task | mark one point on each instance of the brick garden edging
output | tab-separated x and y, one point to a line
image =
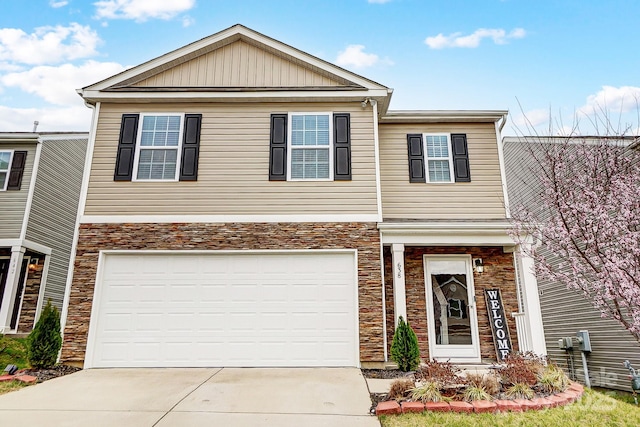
570	395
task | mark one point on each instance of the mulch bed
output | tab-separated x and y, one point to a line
386	373
51	373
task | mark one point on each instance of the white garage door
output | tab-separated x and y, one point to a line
225	309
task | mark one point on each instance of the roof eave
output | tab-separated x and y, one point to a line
443	116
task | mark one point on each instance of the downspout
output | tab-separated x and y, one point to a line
32	187
503	176
81	205
376	144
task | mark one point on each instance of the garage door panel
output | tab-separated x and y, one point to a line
226	310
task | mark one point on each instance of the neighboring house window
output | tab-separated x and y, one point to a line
438	158
158	145
5	164
310	147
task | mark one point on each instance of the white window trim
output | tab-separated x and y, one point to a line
290	147
427	158
138	148
8	171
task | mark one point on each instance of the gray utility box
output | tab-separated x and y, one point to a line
584	341
565	343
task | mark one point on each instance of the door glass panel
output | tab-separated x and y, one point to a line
452	322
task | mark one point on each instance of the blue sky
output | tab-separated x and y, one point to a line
547	57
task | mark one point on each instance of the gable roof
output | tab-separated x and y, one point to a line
202	70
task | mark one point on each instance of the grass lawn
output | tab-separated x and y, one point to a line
13	351
6	387
594	409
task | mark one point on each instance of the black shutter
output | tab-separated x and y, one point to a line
278	148
416	158
460	157
190	147
17	170
126	147
342	146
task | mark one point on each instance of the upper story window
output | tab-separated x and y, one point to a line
158	147
5	164
310	147
439	160
159	143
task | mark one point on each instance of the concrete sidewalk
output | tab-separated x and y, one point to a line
195	397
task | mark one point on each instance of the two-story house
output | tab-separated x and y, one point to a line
40	180
249	204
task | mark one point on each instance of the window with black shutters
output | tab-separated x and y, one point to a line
310	147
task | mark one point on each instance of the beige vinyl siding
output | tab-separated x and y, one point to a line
13	202
238	64
233	172
482	198
565	311
55	206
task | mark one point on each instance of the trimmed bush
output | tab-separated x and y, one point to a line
404	349
45	339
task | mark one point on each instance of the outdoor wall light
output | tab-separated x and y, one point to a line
478	267
364	103
33	264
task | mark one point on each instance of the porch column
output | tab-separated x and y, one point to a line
399	293
531	302
11	287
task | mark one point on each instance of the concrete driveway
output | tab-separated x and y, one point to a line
283	397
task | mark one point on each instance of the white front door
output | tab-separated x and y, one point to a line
451	309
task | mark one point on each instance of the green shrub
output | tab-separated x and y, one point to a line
404	349
45	340
473	392
553	379
519	391
427	392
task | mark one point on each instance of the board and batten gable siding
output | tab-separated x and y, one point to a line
14	202
566	311
233	170
482	198
55	206
238	64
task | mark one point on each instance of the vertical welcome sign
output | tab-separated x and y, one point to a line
498	321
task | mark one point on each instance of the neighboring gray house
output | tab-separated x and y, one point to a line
40	181
566	311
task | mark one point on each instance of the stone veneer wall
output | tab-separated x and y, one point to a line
30	300
498	273
232	236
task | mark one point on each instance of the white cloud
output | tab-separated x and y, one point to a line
379	1
48	44
612	99
75	118
57	85
498	35
188	21
141	10
56	4
355	56
531	118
